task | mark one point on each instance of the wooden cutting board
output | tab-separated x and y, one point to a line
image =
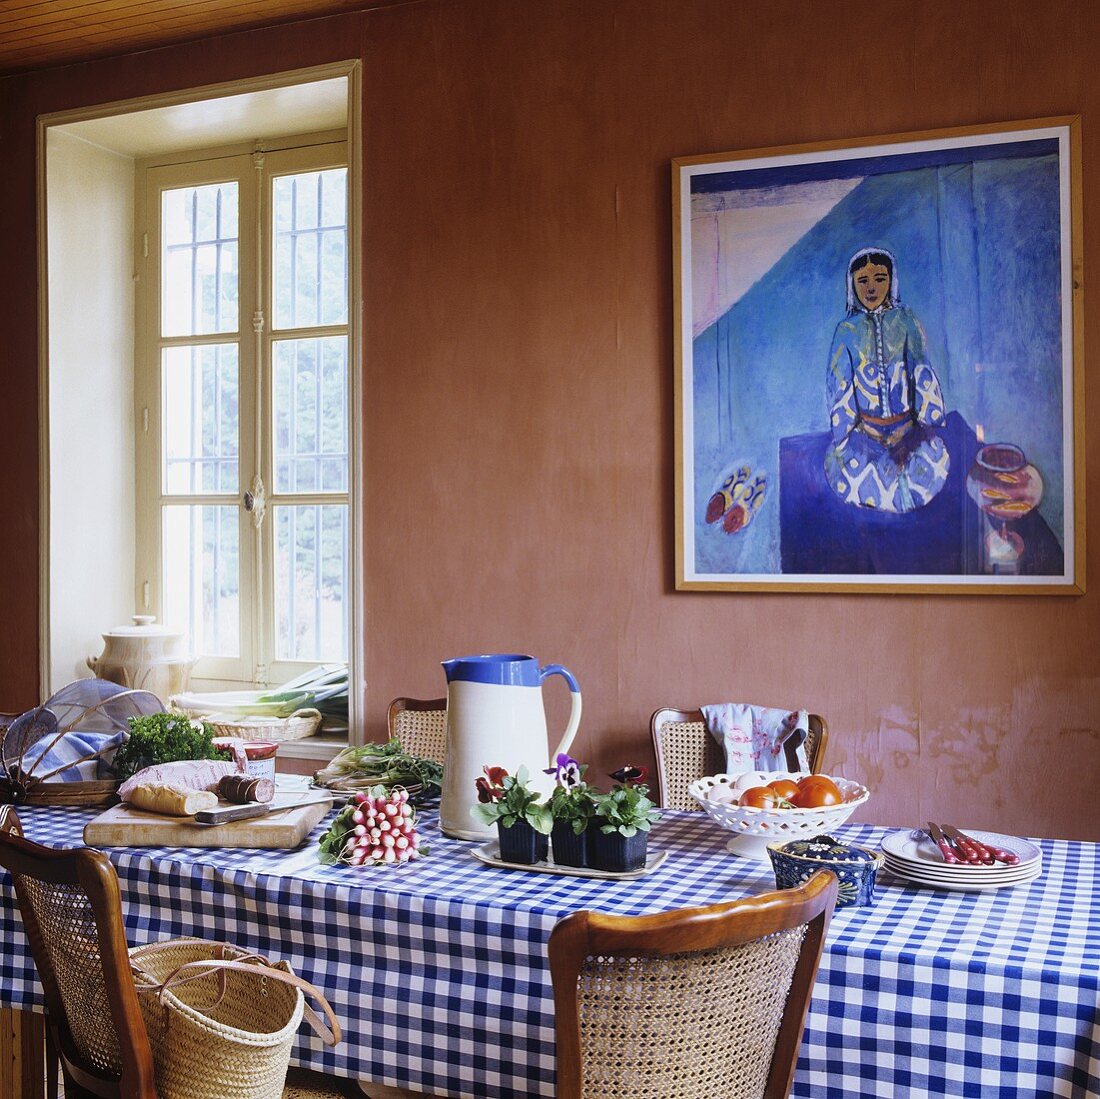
122	826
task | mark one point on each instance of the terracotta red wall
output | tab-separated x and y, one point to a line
518	373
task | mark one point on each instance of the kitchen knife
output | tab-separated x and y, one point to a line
940	841
252	809
990	853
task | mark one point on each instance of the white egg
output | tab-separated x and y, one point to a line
722	792
752	778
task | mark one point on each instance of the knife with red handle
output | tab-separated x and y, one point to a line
989	853
940	841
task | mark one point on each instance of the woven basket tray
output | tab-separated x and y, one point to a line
90	793
296	727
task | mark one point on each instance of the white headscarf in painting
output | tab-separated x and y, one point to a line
854	305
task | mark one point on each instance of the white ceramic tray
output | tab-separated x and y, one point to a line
489	853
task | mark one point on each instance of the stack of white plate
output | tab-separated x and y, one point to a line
914	857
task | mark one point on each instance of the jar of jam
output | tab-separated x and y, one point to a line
259	753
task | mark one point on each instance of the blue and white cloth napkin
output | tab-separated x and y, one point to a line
65	753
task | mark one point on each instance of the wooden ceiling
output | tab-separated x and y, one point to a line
39	33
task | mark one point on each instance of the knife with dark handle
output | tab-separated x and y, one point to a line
940	840
991	854
252	809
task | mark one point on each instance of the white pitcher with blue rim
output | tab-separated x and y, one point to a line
495	718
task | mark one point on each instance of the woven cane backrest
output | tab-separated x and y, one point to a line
700	1002
684	1026
67	925
72	914
420	725
686	751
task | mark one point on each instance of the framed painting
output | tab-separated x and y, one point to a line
878	364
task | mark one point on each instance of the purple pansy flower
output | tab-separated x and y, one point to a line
566	771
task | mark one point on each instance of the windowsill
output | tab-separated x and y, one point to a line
323	746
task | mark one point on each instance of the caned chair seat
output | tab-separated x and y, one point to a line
701	1002
421	726
686	751
72	912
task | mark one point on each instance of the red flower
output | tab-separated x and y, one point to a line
496	775
491	788
630	774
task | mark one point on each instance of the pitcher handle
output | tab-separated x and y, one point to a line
575	711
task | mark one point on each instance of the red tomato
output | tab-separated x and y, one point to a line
784	787
759	797
814	791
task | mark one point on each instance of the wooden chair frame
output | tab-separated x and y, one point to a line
688	931
817	740
92	872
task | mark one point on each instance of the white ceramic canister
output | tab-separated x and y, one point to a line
144	656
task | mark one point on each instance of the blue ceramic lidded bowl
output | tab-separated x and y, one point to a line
855	867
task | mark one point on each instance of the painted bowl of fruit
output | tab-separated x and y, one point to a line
763	807
797	861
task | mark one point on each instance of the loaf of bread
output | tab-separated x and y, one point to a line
184	774
171	801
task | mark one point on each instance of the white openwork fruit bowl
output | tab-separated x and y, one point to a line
754	829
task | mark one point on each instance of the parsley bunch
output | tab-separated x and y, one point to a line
164	738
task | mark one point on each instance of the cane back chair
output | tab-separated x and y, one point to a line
686	751
421	726
697	1002
72	912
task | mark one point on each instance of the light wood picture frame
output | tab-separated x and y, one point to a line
879	364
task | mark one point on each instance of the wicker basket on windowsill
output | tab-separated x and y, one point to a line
298	726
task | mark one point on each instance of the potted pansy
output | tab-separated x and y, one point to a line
619	835
571	807
522	823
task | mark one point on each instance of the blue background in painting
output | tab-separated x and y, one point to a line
978	251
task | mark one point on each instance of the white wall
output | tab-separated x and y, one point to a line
90	215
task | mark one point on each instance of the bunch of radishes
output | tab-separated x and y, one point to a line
376	828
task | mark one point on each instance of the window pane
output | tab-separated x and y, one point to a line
311	582
199	260
201	419
311	240
202	579
310	404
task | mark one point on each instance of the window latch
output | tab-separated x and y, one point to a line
255	501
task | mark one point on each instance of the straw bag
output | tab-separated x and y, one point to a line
221	1021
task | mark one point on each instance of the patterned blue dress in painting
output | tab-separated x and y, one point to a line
885	405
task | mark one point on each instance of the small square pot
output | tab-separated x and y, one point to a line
615	852
569	848
522	844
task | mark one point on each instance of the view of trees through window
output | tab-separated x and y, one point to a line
253	414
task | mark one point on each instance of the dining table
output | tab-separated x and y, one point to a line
438	968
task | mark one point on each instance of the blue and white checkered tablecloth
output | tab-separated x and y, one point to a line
438	970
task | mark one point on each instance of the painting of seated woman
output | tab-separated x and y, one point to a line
878	365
